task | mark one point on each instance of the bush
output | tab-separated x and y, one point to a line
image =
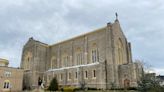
132	88
69	89
77	89
92	88
53	85
149	84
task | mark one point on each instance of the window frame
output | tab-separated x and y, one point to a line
6	85
94	55
86	74
76	75
69	76
94	74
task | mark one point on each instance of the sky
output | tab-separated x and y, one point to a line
52	21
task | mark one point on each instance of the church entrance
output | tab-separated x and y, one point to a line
126	83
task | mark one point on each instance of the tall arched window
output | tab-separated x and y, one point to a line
27	62
94	53
79	56
120	52
53	62
65	60
6	84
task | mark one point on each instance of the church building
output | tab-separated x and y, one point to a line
99	59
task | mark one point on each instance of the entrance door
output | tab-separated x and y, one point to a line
126	83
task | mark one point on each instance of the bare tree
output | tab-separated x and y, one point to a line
148	82
147	68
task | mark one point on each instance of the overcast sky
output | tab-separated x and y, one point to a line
51	21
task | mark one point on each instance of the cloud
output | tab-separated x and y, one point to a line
51	21
159	71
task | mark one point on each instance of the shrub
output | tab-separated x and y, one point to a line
92	88
132	88
53	85
77	89
69	89
149	84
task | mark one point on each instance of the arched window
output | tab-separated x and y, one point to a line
6	84
61	77
65	60
79	56
120	52
75	75
86	75
27	63
69	76
94	73
94	53
53	62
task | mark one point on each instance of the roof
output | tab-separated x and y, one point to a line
161	77
11	68
4	61
100	29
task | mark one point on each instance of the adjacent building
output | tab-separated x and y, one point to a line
98	59
161	79
11	79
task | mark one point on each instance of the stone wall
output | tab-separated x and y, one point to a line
107	47
12	76
75	76
34	57
130	72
